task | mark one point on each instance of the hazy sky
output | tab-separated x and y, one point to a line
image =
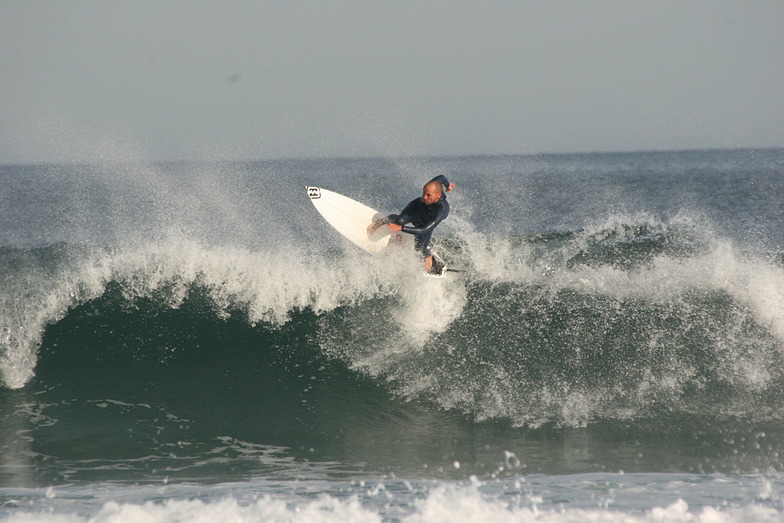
154	79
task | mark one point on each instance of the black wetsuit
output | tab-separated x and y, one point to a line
423	218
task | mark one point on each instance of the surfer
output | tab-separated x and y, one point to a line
423	214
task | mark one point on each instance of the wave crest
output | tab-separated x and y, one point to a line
630	319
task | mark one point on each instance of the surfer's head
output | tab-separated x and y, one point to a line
432	192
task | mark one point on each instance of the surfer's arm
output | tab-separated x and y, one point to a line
424	229
373	227
443	181
428	227
395	222
388	220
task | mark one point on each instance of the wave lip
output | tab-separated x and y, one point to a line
42	285
38	288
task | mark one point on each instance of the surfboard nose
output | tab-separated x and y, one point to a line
313	192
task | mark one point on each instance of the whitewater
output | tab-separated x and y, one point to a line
190	341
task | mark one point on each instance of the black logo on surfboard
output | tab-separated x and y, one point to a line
314	193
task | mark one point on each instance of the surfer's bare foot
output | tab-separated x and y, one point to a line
428	263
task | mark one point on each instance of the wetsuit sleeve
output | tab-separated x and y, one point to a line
443	212
403	218
441	179
393	218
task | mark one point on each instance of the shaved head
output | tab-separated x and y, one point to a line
432	192
433	186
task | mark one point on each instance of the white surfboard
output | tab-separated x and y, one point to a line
351	219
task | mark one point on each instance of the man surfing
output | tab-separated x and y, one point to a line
423	214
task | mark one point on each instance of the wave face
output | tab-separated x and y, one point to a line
281	333
623	322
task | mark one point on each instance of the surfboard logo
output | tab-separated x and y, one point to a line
314	193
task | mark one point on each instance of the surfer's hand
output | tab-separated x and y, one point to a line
451	186
372	228
394	227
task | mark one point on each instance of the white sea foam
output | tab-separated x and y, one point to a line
440	503
706	296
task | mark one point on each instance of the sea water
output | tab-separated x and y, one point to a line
192	342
